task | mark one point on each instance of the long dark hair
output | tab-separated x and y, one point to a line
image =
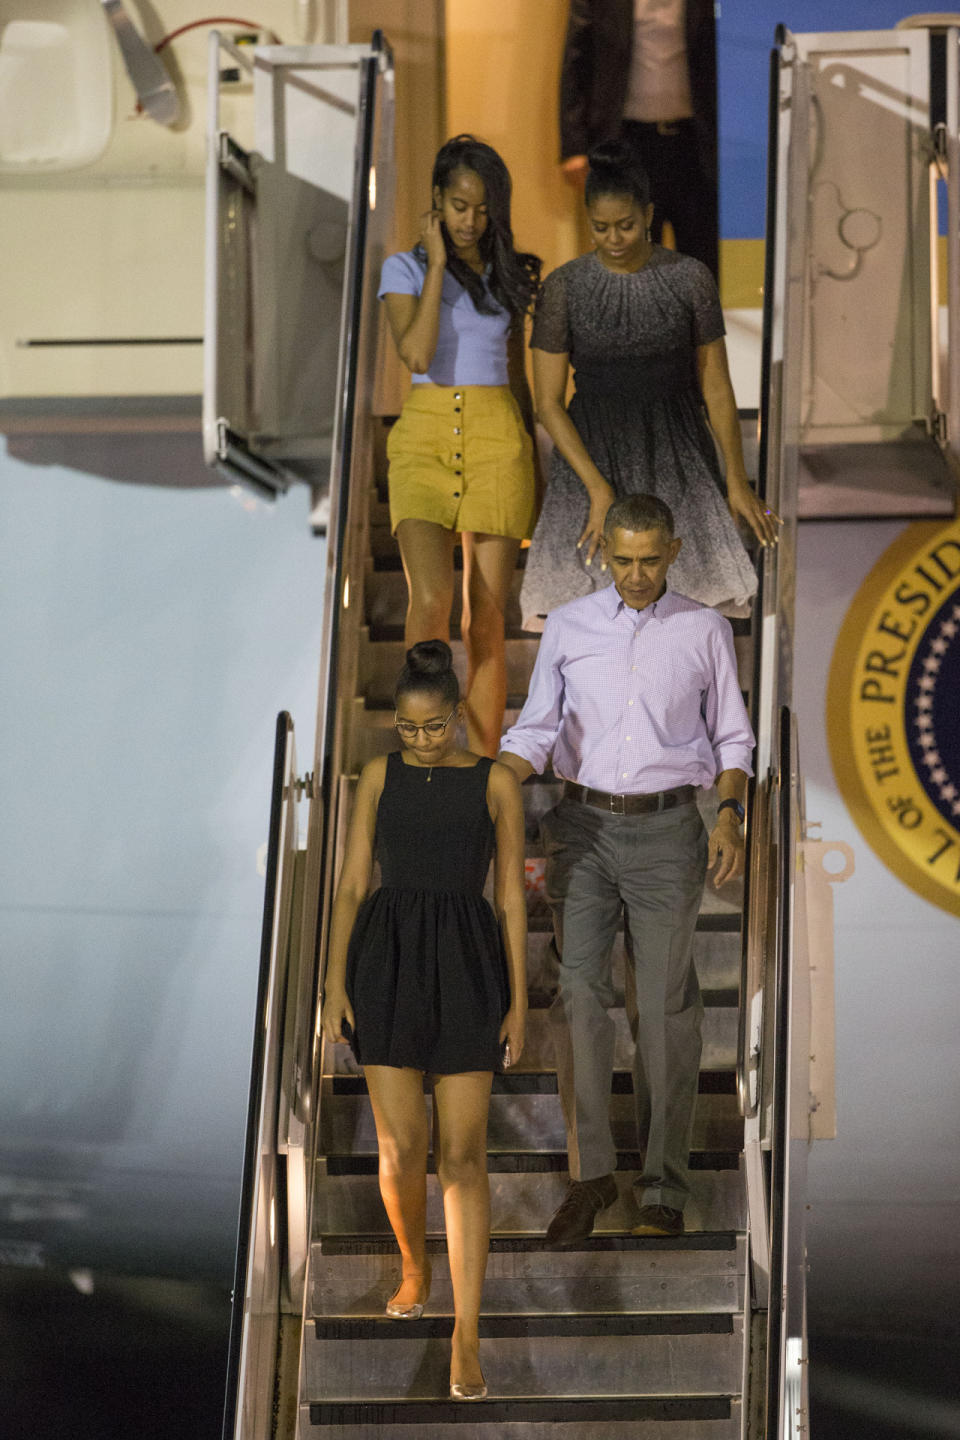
514	275
429	671
615	170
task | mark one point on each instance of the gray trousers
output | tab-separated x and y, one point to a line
653	868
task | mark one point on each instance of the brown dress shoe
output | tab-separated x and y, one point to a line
659	1220
574	1218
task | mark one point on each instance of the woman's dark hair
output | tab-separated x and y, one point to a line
514	275
429	671
615	170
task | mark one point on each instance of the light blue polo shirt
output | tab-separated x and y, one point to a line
471	348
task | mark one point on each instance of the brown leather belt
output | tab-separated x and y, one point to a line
628	804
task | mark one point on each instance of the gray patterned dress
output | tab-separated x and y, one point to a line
632	342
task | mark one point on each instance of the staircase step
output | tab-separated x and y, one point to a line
522	1202
716	954
719	1044
512	1326
535	1161
388	633
704	1417
385	593
379	671
720	910
556	1356
504	1243
380	662
687	1273
712	1082
385	552
526	1122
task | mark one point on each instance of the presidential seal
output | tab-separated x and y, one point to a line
893	710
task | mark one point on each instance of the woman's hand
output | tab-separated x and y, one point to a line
601	498
431	237
336	1009
513	1031
745	504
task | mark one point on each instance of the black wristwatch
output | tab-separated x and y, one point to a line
734	805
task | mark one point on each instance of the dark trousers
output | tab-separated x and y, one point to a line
652	868
681	190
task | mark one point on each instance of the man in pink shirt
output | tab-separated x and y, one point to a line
636	700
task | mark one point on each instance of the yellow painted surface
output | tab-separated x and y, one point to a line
741	274
503	64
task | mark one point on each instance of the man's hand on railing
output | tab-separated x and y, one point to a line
726	848
337	1012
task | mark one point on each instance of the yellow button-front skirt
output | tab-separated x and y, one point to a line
461	456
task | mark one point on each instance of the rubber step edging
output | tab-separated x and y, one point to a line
518	1411
527	1327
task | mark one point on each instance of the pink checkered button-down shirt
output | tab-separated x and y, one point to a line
634	701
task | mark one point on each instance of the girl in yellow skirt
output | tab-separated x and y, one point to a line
461	454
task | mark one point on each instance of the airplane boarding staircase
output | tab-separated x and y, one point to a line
683	1338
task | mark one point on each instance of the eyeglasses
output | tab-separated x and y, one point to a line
409	731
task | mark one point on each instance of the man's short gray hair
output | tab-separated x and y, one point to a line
639	512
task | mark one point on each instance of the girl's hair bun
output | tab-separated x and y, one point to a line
429	670
430	657
616	170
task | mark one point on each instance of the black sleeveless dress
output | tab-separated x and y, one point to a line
426	968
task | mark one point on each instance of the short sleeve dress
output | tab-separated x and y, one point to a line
426	967
632	341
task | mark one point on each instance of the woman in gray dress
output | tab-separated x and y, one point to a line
643	330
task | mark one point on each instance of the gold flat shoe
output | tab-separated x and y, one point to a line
404	1312
468	1392
407	1312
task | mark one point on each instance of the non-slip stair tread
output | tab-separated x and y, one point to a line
519	1327
522	1202
387	562
552	1365
712	1082
386	553
373	1243
538	999
379	706
719	1040
381	633
531	1120
511	1412
713	920
624	1275
530	1162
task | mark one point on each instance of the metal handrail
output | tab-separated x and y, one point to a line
324	807
751	941
328	747
301	1031
341	463
781	1054
746	1101
265	980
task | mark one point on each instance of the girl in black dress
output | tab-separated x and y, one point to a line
422	979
